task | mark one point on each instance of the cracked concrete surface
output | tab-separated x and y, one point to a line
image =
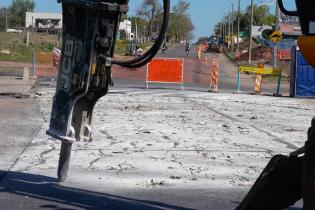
181	149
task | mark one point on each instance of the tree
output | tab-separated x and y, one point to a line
17	11
3	12
149	10
262	16
150	17
181	7
266	33
180	25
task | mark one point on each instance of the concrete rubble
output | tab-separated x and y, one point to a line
174	146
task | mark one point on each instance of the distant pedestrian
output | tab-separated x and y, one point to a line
187	48
164	48
138	52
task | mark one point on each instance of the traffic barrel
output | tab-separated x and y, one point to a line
56	54
258	80
214	76
198	53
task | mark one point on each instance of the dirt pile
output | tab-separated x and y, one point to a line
258	52
44	58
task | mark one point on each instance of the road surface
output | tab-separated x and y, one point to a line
197	74
153	149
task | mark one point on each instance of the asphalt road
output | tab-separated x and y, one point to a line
197	74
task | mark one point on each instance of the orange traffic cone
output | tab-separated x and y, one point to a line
205	60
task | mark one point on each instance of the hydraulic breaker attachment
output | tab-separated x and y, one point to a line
89	31
89	34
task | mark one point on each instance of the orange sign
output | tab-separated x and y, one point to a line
162	70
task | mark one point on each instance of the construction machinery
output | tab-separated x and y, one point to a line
89	35
215	43
89	31
287	179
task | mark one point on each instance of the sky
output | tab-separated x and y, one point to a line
204	13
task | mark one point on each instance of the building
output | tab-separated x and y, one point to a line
43	20
127	27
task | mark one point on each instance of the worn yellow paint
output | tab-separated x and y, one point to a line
263	71
93	68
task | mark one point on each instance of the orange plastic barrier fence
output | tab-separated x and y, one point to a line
284	54
161	70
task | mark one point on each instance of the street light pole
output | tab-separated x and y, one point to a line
220	29
136	23
226	25
224	28
277	27
223	25
229	28
6	19
232	28
251	32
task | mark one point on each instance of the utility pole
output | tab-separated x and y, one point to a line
223	22
238	26
232	28
251	32
229	28
136	23
225	26
222	35
277	27
6	19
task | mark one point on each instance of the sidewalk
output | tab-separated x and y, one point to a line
156	149
13	85
8	64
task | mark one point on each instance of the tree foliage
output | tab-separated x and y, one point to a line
266	33
149	10
150	16
3	11
181	8
262	16
17	12
180	25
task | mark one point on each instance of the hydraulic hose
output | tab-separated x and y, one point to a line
147	56
285	11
